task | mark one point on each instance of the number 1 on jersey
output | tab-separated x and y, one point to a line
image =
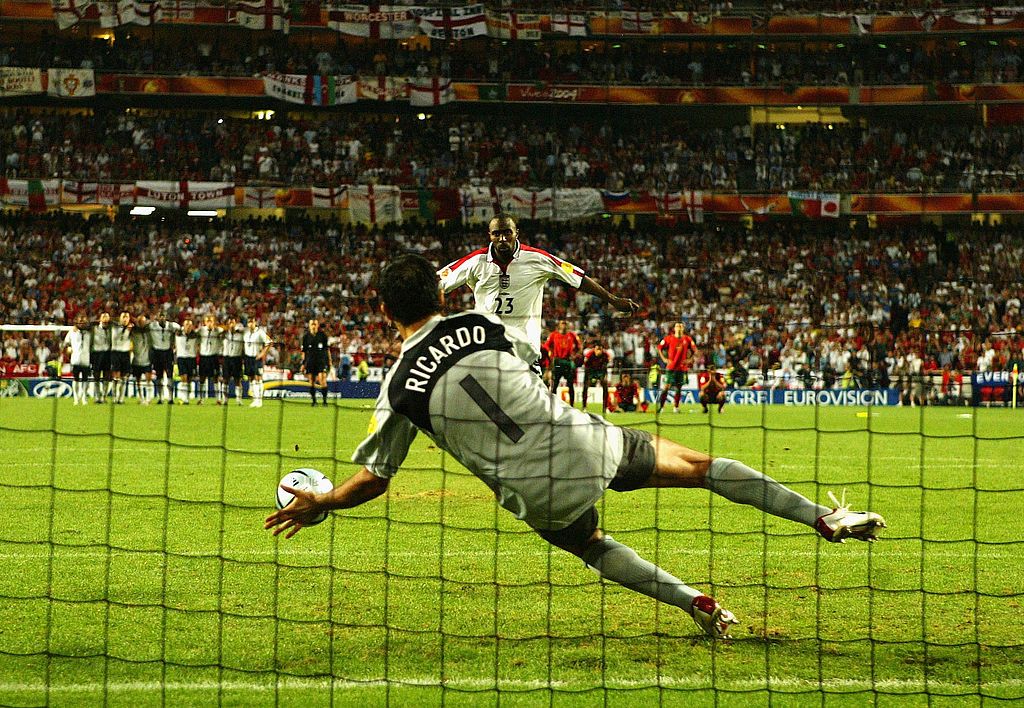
491	408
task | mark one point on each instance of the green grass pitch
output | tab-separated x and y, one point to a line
135	570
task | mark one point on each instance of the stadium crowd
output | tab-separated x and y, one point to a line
797	299
751	62
449	150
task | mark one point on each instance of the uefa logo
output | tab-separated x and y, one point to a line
52	388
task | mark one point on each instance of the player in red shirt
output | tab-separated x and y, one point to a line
712	389
563	346
677	351
595	368
626	394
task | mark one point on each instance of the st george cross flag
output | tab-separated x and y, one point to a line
513	25
572	25
694	200
374	21
479	203
114	13
79	192
431	92
69	13
528	203
263	15
634	22
375	204
690	200
207	195
98	193
259	197
453	23
329	197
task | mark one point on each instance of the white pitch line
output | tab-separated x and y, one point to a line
687	682
880	551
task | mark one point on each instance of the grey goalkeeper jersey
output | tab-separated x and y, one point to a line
140	347
460	380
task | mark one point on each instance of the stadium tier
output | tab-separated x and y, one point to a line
770	252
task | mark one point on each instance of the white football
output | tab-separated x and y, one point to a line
306	479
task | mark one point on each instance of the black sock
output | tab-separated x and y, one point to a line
323	391
312	392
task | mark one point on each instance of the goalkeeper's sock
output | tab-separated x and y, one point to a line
737	482
621	564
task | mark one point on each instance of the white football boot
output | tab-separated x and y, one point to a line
842	523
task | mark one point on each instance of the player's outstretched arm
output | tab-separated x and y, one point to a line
357	489
622	304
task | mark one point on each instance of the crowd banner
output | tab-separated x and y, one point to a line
69	13
576	203
375	205
374	21
513	25
19	81
76	192
185	194
479	204
262	15
690	200
572	25
36	194
310	90
383	88
434	91
404	21
114	13
70	83
459	22
528	203
258	197
814	205
329	197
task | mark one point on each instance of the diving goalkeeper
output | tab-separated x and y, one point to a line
460	381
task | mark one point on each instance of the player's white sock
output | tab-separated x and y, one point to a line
621	564
737	482
166	390
184	391
259	390
77	390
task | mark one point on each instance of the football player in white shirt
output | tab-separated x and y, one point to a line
508	280
257	344
79	340
120	354
211	341
233	345
459	380
161	340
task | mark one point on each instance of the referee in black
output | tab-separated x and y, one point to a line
316	359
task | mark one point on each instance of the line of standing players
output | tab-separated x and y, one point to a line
677	351
106	355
